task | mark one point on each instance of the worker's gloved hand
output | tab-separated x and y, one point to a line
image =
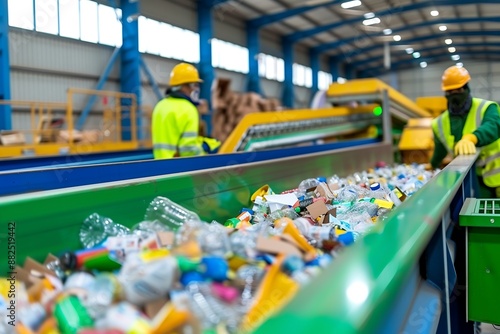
466	145
211	145
428	166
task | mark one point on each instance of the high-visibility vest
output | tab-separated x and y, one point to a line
175	129
489	158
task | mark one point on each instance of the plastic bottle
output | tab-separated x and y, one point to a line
169	213
103	291
95	229
348	194
71	315
125	318
144	279
209	238
378	191
307	186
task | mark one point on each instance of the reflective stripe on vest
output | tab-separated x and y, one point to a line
479	116
195	149
441	134
164	147
188	134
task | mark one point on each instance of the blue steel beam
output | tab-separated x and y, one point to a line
375	71
80	123
288	94
253	45
390	11
469	45
475	33
151	79
280	16
314	62
5	111
334	67
130	61
205	29
336	44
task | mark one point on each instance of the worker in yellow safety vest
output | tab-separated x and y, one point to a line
468	123
175	120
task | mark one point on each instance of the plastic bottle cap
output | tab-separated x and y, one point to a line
191	276
216	268
321	179
375	186
346	238
232	222
250	211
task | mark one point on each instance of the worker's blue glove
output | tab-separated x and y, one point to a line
211	145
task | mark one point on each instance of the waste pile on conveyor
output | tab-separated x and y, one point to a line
173	272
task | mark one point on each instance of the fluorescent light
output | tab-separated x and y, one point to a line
460	64
397	38
350	4
423	64
455	57
443	28
434	13
452	49
370	22
369	15
448	41
387	31
409	51
416	54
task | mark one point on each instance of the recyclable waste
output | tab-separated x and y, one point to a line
175	273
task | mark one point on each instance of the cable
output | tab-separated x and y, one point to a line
497	327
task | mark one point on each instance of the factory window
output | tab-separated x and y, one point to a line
21	14
271	68
69	19
46	16
110	28
324	80
190	46
309	77
299	75
89	28
229	56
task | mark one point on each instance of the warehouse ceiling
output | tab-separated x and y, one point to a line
418	32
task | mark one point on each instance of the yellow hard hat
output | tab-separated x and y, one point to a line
454	77
184	73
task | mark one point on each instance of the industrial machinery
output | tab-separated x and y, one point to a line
375	286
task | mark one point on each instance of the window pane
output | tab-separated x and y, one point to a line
21	13
280	69
165	48
69	19
110	29
46	16
262	64
216	52
308	77
191	47
270	67
152	28
143	36
88	21
244	60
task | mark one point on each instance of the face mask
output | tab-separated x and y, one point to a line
195	95
458	103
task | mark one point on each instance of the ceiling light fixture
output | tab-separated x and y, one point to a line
448	41
416	55
409	51
455	57
397	38
350	4
370	22
460	64
423	64
387	31
443	28
452	49
434	13
369	15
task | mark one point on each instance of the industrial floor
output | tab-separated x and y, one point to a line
489	329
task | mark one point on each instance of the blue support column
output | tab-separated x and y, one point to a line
349	72
334	68
205	29
130	61
314	61
253	83
5	111
288	95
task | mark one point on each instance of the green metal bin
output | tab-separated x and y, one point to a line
481	217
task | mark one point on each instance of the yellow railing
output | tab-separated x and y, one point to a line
52	126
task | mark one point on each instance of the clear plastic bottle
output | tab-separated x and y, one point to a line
96	228
348	194
101	293
378	191
169	213
307	186
211	238
368	207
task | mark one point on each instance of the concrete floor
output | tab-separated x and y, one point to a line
489	329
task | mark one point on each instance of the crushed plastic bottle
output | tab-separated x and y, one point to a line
169	213
96	228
